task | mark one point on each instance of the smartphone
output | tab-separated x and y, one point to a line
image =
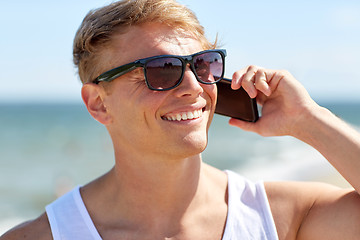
235	103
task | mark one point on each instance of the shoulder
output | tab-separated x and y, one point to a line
290	202
38	229
307	210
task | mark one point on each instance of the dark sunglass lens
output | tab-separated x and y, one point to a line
163	73
209	66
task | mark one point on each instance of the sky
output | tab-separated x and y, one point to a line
317	41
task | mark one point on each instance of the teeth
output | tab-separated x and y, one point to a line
184	116
196	114
190	115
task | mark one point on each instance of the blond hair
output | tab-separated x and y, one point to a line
100	24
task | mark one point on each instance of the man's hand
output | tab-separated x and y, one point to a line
305	211
285	101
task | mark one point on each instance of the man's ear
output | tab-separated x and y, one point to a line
92	96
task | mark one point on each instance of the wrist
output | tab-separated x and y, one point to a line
311	122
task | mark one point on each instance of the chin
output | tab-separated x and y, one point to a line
195	144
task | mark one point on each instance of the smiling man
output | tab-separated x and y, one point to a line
149	75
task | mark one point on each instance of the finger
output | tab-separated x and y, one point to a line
246	126
274	79
261	98
248	80
236	79
261	82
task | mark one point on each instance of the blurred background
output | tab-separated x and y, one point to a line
49	143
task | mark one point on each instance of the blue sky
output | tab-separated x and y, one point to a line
317	41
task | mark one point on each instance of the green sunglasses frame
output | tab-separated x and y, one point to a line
189	59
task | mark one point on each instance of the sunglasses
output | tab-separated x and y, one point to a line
165	72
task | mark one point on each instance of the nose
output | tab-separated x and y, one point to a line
189	86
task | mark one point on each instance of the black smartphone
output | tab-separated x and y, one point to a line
235	103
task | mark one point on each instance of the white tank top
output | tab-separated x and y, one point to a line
249	214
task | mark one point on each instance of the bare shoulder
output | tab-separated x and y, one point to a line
38	229
301	194
314	210
289	203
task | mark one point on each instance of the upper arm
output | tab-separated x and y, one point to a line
38	229
335	214
314	211
288	206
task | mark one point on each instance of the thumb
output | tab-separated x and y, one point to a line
246	126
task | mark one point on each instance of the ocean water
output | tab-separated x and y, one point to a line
45	150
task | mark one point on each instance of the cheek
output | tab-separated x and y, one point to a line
135	101
211	91
145	108
152	102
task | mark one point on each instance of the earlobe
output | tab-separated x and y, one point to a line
92	96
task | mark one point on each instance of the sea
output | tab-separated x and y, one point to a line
47	149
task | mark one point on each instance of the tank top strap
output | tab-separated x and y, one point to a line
249	214
69	218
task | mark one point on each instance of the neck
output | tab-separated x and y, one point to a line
161	196
167	181
154	186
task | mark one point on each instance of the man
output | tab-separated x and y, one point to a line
158	111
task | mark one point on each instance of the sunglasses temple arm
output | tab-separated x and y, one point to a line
117	72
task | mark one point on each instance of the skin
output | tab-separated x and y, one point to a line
305	210
159	181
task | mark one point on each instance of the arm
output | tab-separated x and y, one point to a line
289	110
38	229
314	211
336	141
306	210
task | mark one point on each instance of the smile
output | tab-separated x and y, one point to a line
183	116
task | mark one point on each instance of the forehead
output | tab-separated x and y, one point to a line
148	40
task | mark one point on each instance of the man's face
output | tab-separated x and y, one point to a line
142	119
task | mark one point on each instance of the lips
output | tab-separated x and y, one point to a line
183	116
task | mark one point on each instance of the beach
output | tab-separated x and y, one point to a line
48	149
